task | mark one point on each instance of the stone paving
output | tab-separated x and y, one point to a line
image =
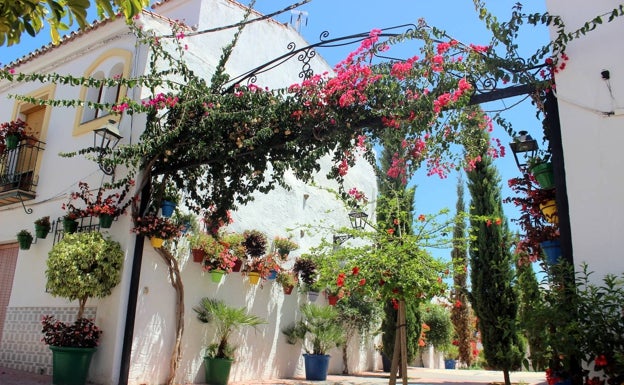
416	376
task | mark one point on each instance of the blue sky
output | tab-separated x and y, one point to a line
457	17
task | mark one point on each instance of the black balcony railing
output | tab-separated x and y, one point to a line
18	181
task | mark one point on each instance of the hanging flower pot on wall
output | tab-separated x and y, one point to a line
549	209
544	175
167	208
552	249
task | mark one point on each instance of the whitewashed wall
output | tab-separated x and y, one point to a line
264	354
592	142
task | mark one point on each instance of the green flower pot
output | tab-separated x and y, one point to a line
24	242
70	226
70	366
216	275
544	175
217	370
106	221
11	141
42	231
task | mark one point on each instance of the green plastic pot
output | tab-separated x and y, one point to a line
42	231
70	366
24	242
106	221
544	175
217	370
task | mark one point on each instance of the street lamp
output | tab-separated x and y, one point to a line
526	145
105	139
358	219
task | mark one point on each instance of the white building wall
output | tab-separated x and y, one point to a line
592	141
263	354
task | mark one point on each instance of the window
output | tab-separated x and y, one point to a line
112	64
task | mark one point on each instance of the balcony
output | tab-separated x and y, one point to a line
18	166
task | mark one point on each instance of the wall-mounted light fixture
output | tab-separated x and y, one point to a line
105	139
523	147
358	219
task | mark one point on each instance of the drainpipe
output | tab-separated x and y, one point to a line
561	192
133	293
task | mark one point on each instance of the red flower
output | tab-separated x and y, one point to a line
458	304
395	304
601	360
340	280
421	217
362	282
355	270
390	231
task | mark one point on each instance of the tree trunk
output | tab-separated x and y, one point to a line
176	281
506	376
82	302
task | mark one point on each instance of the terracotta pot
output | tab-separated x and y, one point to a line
288	289
198	255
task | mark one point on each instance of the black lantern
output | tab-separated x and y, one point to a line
358	219
339	239
527	146
105	139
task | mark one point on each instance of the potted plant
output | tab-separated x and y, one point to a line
287	279
67	277
42	227
106	208
220	354
450	353
157	229
24	238
13	132
318	331
170	199
542	170
260	268
306	269
234	242
199	243
218	259
283	246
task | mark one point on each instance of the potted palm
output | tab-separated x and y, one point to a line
318	331
24	238
79	267
42	227
226	319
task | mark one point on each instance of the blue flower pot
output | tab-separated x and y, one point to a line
449	364
167	208
552	249
316	366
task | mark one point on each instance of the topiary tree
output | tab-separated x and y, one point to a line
83	266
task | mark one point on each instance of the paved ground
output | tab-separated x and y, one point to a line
420	376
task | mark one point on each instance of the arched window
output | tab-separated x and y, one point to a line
113	64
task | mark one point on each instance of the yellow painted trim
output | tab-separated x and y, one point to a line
46	92
91	125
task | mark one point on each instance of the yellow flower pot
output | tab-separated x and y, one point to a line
549	209
254	277
156	242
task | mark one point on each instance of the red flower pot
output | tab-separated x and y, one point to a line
198	255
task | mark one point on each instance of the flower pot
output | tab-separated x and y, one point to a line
552	249
106	221
316	366
11	141
543	174
272	274
254	277
237	265
216	275
449	364
217	370
167	208
549	209
70	226
332	299
312	295
24	242
42	231
386	364
157	242
283	253
198	255
70	366
288	289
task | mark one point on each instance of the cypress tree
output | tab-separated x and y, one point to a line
494	298
460	312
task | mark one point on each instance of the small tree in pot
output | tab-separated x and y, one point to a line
80	266
220	354
319	331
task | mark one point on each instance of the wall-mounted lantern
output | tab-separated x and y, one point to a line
106	139
523	147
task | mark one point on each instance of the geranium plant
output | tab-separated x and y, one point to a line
114	203
16	127
151	225
83	333
263	265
